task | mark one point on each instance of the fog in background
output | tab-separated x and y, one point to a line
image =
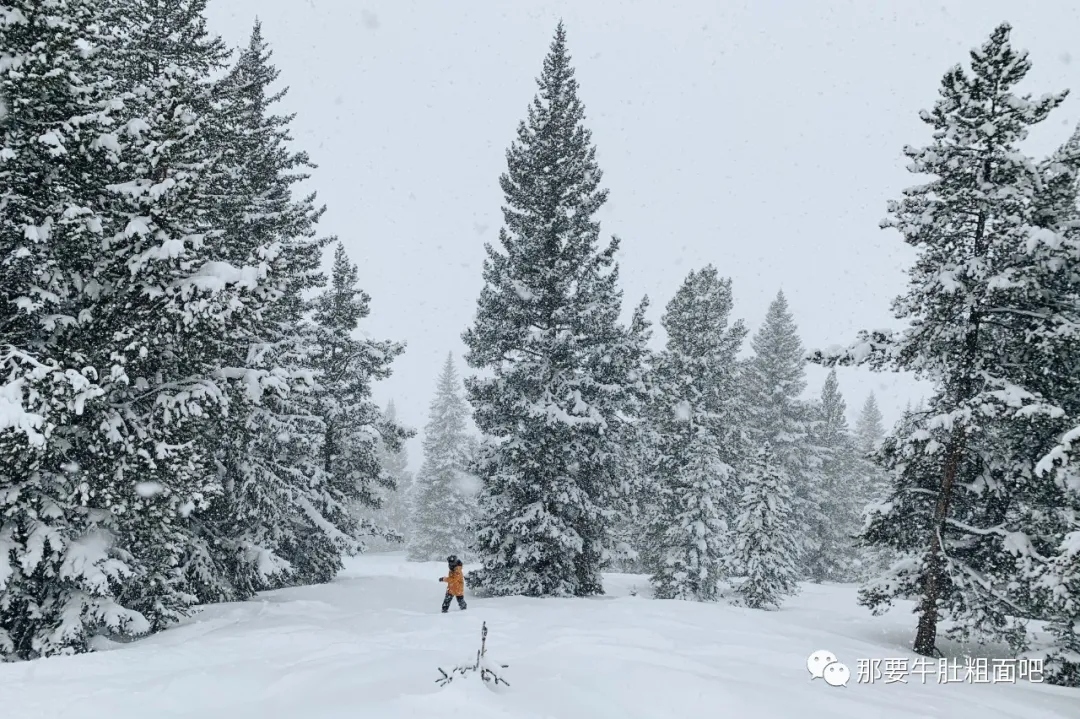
763	137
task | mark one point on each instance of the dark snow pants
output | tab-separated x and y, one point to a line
450	597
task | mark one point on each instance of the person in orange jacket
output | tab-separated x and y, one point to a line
455	584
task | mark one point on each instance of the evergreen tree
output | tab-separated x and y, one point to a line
695	414
443	500
266	447
164	290
61	576
1058	588
839	492
1043	360
397	509
142	289
894	526
873	486
765	544
152	242
869	430
356	432
559	366
774	380
980	309
634	457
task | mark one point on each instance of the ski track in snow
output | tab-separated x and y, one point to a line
369	645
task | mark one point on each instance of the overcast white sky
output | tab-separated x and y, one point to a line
763	137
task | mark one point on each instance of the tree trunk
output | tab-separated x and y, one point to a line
934	578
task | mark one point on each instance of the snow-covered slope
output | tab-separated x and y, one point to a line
369	645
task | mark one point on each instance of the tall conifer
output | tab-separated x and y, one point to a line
982	313
559	367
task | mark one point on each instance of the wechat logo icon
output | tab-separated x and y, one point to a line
823	665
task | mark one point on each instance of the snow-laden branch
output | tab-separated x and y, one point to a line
872	347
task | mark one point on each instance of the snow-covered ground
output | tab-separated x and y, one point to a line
369	645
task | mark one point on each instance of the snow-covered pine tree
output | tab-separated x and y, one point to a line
358	436
869	429
145	277
397	508
298	452
973	298
773	382
140	297
61	575
443	500
634	457
559	366
839	493
163	291
265	449
387	520
695	416
892	524
765	542
1043	360
872	486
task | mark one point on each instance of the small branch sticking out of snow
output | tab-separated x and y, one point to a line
482	665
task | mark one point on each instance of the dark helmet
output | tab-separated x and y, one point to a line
452	560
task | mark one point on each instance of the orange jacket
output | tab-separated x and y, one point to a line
455	583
